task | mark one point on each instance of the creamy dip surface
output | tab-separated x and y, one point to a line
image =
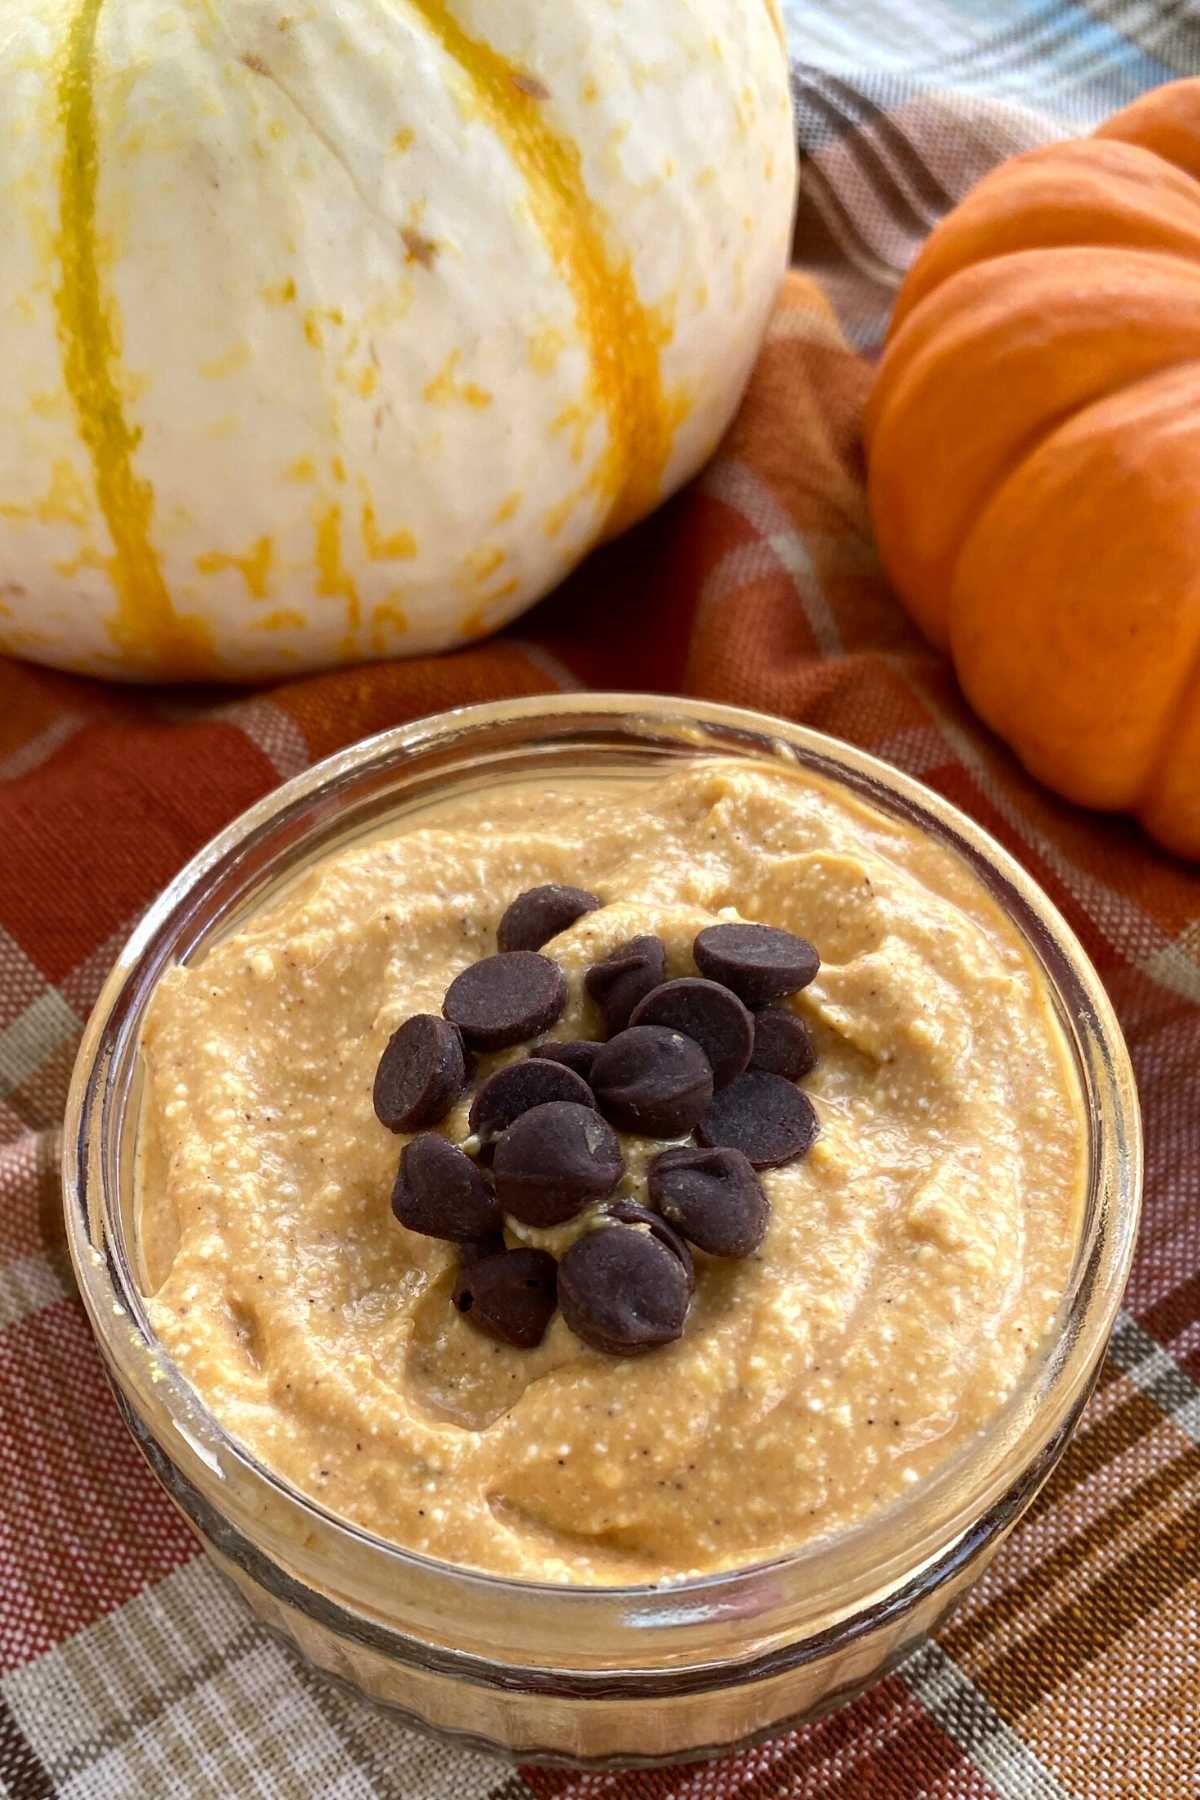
913	1263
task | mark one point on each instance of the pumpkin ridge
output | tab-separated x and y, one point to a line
1182	707
1137	796
1028	447
914	294
1172	172
1036	440
889	391
897	351
145	628
622	336
1162	120
1167	163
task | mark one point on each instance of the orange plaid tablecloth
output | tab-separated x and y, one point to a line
125	1670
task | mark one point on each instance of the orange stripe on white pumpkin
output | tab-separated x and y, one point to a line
623	336
776	18
146	629
335	581
254	567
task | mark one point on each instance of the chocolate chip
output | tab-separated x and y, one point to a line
783	1044
510	1295
578	1054
709	1014
713	1197
765	1117
473	1250
628	1212
622	1290
554	1160
441	1193
513	1090
626	975
759	962
540	913
652	1080
420	1075
505	999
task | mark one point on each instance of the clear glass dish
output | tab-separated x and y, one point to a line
597	1676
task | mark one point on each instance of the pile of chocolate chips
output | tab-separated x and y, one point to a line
707	1055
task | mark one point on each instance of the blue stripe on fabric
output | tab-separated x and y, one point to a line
1051	55
1069	36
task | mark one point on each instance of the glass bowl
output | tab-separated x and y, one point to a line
580	1675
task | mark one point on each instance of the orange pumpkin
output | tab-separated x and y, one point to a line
1034	448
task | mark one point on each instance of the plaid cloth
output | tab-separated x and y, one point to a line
125	1667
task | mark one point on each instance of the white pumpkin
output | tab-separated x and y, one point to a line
335	329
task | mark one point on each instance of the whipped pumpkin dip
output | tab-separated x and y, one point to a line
913	1261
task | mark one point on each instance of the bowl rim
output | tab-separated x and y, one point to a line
1073	1354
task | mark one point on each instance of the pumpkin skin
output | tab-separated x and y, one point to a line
1034	451
336	329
